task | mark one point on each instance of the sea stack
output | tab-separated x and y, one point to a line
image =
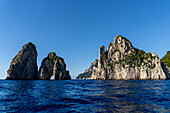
24	64
123	61
55	66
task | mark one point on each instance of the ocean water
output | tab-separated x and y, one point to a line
84	96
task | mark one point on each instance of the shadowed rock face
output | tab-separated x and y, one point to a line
53	65
122	61
24	64
166	60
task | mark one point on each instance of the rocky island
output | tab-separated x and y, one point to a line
24	66
53	65
123	61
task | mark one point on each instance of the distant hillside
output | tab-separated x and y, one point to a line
166	60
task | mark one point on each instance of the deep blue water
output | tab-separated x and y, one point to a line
85	96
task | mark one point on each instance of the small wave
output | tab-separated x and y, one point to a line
75	100
49	107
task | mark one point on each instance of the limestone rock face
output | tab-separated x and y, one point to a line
87	73
24	64
122	61
53	65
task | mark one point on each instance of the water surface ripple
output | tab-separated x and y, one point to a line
85	96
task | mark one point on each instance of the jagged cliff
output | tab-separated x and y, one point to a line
24	64
53	65
166	60
122	61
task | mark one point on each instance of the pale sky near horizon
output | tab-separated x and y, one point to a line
75	29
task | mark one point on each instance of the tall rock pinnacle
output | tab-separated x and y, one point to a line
24	64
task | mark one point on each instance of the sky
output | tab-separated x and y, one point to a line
75	29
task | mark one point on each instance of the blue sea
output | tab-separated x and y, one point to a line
84	96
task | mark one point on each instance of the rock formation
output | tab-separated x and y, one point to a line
122	61
87	73
24	64
166	60
53	65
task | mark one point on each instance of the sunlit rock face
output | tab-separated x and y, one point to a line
24	64
123	61
55	66
88	73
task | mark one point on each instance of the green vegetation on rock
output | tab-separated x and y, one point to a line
153	66
166	59
136	58
53	57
